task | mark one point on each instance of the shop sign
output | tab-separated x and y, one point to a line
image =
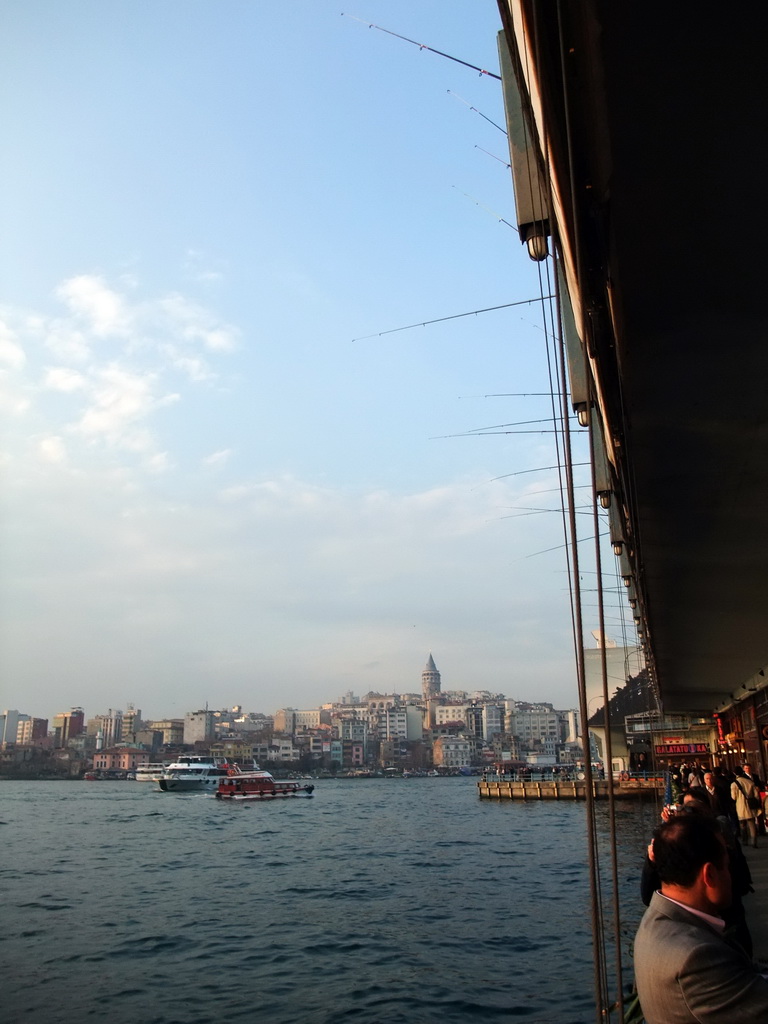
683	748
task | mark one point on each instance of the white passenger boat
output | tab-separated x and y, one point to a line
151	772
194	772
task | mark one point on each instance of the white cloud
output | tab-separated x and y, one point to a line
11	352
158	463
278	585
217	458
119	399
89	298
190	323
13	401
52	449
62	378
191	366
65	342
119	359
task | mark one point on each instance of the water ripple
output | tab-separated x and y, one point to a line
376	902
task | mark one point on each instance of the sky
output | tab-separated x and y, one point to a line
223	482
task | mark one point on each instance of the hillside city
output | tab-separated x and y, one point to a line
427	730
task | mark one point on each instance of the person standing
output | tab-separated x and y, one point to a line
696	775
719	797
686	970
746	769
747	800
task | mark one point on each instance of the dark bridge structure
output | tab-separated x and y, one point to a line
638	151
638	139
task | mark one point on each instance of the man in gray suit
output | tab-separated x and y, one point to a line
686	971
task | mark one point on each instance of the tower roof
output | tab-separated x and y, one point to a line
430	666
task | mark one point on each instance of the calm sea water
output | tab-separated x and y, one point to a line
378	900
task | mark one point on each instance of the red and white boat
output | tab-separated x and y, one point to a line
257	785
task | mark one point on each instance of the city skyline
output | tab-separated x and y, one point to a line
348	699
210	488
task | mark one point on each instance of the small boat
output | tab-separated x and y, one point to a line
193	773
257	785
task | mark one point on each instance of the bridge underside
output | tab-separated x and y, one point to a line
651	136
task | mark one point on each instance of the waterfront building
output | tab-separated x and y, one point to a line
199	727
284	750
107	728
449	712
84	745
533	722
234	749
352	754
67	725
31	730
132	722
403	723
251	722
170	729
493	720
289	721
9	726
452	752
125	759
151	739
506	747
285	721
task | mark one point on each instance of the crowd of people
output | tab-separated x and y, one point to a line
736	796
693	950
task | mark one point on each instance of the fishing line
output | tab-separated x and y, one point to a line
423	46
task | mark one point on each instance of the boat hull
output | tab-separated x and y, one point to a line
242	788
239	797
181	785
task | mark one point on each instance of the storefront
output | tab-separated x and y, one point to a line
675	750
742	733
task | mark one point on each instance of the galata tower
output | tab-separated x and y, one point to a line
430	680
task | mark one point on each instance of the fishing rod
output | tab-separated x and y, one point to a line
481	432
488	209
456	316
466	104
423	46
539	469
493	155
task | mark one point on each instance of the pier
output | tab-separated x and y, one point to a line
572	789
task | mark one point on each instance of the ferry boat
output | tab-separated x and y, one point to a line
151	772
192	773
258	785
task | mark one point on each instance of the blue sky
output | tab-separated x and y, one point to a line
212	492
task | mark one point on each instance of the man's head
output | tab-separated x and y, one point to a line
690	856
747	768
697	799
709	780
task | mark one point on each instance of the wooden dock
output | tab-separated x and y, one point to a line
506	789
